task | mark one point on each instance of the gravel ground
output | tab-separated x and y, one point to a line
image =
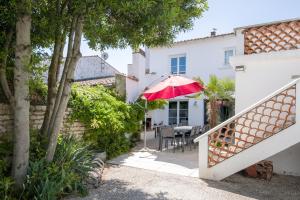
126	183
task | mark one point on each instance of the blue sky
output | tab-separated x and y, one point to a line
224	15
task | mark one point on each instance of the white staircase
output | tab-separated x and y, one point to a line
258	132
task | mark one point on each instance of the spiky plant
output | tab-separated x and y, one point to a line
215	90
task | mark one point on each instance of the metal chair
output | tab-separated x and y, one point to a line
205	128
167	134
189	136
179	140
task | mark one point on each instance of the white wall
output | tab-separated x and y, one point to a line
204	57
131	92
264	73
287	162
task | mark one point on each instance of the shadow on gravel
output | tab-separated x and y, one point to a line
280	187
119	190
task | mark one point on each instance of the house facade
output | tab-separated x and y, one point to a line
93	68
199	57
266	125
264	60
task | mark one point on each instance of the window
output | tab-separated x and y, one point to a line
178	65
227	54
178	112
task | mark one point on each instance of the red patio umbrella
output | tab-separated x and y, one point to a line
171	87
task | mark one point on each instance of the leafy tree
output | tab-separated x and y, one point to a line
57	24
215	90
18	53
105	24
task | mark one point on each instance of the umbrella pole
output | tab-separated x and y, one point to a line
145	126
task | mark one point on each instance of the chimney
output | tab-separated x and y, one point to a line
213	32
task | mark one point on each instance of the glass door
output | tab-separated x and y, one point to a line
172	112
184	113
178	112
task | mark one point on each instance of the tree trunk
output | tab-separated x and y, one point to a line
213	118
21	92
63	77
53	74
64	91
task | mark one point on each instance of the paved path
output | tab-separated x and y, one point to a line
127	183
180	163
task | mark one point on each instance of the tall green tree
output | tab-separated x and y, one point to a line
62	24
105	24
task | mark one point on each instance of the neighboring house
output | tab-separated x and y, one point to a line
93	70
267	121
199	57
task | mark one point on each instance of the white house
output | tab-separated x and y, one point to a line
199	57
265	63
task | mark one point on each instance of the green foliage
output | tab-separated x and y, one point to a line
216	88
6	148
37	86
6	188
216	91
38	92
133	23
6	182
107	117
152	105
63	176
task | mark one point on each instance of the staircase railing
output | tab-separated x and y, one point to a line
263	119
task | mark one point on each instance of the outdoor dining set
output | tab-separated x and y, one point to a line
178	137
171	87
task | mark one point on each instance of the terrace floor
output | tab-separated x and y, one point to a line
180	163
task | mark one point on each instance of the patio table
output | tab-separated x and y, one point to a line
177	130
183	129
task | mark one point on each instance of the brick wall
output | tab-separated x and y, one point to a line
36	120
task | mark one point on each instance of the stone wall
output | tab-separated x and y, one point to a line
36	120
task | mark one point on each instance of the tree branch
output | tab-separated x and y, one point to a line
63	77
65	87
3	77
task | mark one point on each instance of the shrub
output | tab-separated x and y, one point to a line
6	189
64	175
107	117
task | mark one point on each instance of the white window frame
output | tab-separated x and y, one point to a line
177	56
227	49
